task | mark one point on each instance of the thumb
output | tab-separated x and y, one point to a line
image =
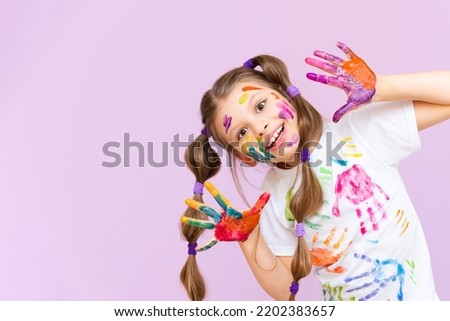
260	203
343	110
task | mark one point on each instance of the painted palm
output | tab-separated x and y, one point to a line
353	76
230	224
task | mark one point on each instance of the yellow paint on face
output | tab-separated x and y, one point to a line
243	99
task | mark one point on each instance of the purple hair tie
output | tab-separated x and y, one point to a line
204	131
292	91
305	155
198	188
299	229
250	64
191	248
294	288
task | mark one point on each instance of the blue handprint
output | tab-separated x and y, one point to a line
380	274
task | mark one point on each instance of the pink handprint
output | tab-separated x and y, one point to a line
353	76
357	187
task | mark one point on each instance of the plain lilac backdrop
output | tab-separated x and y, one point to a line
77	74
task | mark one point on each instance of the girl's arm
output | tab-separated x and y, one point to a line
430	92
272	273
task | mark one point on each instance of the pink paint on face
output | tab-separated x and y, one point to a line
227	123
294	140
286	111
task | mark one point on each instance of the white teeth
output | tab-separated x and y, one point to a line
275	136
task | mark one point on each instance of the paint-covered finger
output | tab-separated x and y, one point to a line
216	216
198	223
350	54
328	80
208	245
343	110
261	202
325	66
218	196
233	213
329	57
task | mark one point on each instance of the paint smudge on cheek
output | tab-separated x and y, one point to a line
286	111
294	140
227	123
255	149
243	99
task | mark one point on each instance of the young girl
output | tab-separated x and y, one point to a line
333	198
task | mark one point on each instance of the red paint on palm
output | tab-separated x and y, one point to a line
230	228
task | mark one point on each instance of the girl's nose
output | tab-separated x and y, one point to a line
264	129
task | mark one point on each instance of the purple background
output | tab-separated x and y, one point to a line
77	74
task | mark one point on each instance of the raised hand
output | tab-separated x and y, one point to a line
353	76
230	224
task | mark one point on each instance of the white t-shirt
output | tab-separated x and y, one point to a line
366	242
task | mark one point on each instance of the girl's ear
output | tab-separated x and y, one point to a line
246	159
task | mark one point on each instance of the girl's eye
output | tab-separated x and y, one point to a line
241	133
260	106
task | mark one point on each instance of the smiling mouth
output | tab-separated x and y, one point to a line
275	137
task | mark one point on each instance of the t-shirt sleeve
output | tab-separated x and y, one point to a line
276	230
388	128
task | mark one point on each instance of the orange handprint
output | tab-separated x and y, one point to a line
328	254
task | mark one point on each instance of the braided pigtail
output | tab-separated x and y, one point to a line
204	163
308	199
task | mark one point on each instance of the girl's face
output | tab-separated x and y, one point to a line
259	123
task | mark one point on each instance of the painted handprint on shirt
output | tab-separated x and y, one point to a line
329	252
377	277
357	187
334	293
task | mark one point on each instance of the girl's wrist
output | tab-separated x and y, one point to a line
380	88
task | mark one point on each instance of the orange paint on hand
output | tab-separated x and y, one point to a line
358	69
